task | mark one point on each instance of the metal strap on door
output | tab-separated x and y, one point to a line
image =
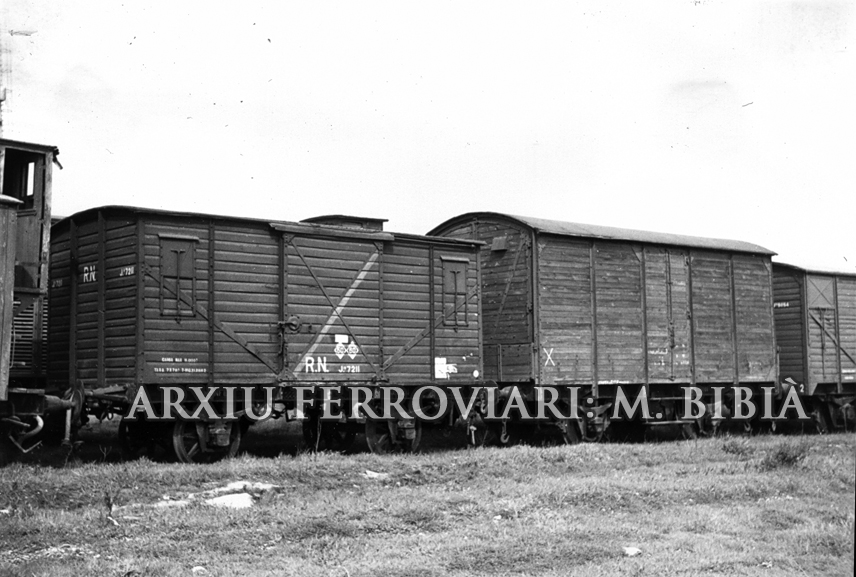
821	322
821	298
338	307
203	312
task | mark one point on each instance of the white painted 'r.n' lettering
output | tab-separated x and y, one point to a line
337	314
315	365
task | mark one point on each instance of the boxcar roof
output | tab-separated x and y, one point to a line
347	217
563	228
30	146
292	226
816	270
9	200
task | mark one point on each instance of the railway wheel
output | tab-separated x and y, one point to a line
132	440
187	442
143	439
626	431
311	432
848	414
385	436
340	438
595	423
820	418
318	435
690	431
570	431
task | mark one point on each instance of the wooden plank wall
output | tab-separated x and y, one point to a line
831	353
695	306
85	275
120	300
618	287
822	334
8	221
713	336
665	315
789	315
565	310
506	298
398	340
174	342
242	293
460	342
847	328
324	273
246	298
407	292
668	323
95	270
756	358
28	223
622	320
59	320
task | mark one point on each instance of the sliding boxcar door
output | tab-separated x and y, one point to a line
667	319
332	322
822	329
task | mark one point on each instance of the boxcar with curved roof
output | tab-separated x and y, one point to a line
604	307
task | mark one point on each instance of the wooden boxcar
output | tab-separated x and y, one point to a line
602	307
815	314
27	182
25	214
148	298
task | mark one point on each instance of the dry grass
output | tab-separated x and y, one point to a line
759	506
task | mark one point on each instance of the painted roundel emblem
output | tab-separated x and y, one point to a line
346	346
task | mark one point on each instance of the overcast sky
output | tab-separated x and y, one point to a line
711	118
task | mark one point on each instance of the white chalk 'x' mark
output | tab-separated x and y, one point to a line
549	357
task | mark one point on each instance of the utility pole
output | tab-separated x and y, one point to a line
2	101
5	81
6	66
4	71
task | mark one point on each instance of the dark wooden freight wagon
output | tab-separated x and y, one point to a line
603	308
815	314
155	299
26	176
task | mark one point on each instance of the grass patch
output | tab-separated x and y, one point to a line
740	447
691	507
788	453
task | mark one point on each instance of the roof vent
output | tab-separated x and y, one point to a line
346	221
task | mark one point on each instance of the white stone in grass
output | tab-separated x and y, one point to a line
375	475
233	501
632	551
238	487
199	570
179	503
